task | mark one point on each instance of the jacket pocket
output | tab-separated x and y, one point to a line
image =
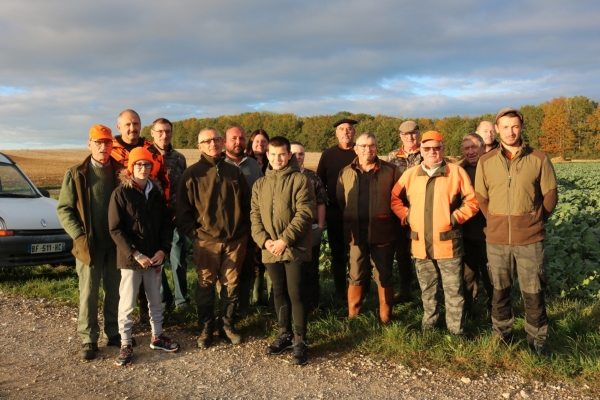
449	235
81	250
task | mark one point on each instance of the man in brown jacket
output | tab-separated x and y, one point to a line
213	210
516	188
370	226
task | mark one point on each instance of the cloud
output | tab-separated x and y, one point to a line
67	65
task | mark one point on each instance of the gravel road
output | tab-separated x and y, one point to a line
39	352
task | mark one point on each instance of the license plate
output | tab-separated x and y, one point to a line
46	248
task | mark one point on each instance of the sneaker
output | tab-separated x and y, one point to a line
88	351
300	356
124	359
282	343
116	341
163	343
230	335
205	340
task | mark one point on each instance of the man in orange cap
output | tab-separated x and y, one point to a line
441	200
83	212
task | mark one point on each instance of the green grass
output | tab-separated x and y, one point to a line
574	342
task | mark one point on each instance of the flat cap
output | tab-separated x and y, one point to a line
508	110
408	126
345	121
432	135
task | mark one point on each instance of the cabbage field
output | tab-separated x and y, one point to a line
572	247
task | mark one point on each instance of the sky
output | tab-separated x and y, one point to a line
67	65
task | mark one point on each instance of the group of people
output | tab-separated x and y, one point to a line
247	206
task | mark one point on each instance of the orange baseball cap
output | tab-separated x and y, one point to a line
100	132
432	135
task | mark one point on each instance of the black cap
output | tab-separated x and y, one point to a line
345	121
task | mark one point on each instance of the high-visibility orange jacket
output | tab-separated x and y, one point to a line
159	170
435	207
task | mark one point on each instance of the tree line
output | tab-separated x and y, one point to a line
569	127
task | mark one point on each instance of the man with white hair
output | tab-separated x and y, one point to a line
475	260
435	200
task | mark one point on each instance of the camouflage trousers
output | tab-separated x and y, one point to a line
530	262
428	273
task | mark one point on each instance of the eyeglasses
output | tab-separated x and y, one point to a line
143	165
215	140
427	149
163	132
101	142
413	133
363	147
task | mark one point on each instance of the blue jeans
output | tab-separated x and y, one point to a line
177	257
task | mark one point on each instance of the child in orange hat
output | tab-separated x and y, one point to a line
141	227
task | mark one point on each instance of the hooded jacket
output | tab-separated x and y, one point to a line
137	223
213	201
435	207
282	208
383	223
159	170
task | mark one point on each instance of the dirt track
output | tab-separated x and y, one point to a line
39	353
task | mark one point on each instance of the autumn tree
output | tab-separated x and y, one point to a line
580	107
558	136
533	116
593	121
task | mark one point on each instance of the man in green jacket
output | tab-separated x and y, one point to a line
516	189
282	215
83	212
370	227
213	210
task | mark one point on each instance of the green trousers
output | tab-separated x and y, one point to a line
104	269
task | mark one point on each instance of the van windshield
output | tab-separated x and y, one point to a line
14	184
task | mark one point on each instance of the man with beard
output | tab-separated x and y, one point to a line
235	145
517	190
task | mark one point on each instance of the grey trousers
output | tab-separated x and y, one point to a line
530	264
130	284
429	273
